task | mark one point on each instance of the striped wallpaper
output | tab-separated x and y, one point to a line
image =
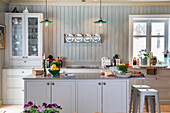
79	19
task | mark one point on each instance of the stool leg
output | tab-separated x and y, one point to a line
135	108
157	103
152	104
131	101
142	100
146	104
134	100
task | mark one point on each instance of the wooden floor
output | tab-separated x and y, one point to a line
19	109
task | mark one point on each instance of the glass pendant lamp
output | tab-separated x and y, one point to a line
100	21
46	21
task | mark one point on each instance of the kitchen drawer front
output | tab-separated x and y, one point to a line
18	71
163	73
15	93
26	63
15	81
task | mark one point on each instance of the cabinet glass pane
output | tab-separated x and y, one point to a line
17	36
158	28
138	44
158	47
139	28
33	36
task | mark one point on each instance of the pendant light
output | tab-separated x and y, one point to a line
100	21
46	21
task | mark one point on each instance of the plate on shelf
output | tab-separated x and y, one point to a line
69	38
78	38
96	38
87	38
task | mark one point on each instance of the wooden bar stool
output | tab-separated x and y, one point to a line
152	94
134	96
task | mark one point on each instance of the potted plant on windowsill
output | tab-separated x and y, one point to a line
143	55
166	53
154	60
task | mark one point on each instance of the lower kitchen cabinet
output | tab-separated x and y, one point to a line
13	85
64	94
114	96
80	96
89	96
37	91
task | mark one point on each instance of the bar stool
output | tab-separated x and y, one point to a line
134	97
152	94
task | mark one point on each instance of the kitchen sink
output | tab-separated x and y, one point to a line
87	66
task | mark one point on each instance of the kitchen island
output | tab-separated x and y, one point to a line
83	93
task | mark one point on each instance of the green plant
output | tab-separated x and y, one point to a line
143	54
154	58
45	108
123	67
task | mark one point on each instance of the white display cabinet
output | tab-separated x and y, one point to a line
24	40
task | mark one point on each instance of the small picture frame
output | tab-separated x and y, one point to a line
2	36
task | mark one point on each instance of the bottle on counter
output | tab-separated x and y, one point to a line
114	61
134	61
138	62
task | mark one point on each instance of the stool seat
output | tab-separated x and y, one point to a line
140	86
148	90
152	94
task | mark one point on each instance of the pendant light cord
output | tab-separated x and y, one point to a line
46	9
100	9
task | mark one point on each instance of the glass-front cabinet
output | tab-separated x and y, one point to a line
24	39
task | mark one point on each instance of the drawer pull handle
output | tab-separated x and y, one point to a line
99	83
23	90
52	83
26	57
23	57
48	83
22	71
104	83
24	61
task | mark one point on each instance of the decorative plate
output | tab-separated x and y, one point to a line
87	38
78	38
69	38
127	75
96	38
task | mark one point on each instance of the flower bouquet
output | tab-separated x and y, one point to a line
55	68
45	108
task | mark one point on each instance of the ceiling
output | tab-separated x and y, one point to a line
91	2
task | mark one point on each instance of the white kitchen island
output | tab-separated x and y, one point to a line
83	93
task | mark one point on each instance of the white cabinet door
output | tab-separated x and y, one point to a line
88	96
17	40
37	91
63	94
33	36
115	96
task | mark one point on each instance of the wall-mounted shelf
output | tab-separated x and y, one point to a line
79	38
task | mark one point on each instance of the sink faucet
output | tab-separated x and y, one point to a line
150	54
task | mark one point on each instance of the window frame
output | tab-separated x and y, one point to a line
148	20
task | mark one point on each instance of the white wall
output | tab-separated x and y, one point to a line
79	19
3	8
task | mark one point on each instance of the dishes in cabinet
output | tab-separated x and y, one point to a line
78	38
87	38
69	38
96	38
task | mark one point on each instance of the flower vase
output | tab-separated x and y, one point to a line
144	61
54	73
165	55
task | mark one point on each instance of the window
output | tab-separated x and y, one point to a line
150	34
